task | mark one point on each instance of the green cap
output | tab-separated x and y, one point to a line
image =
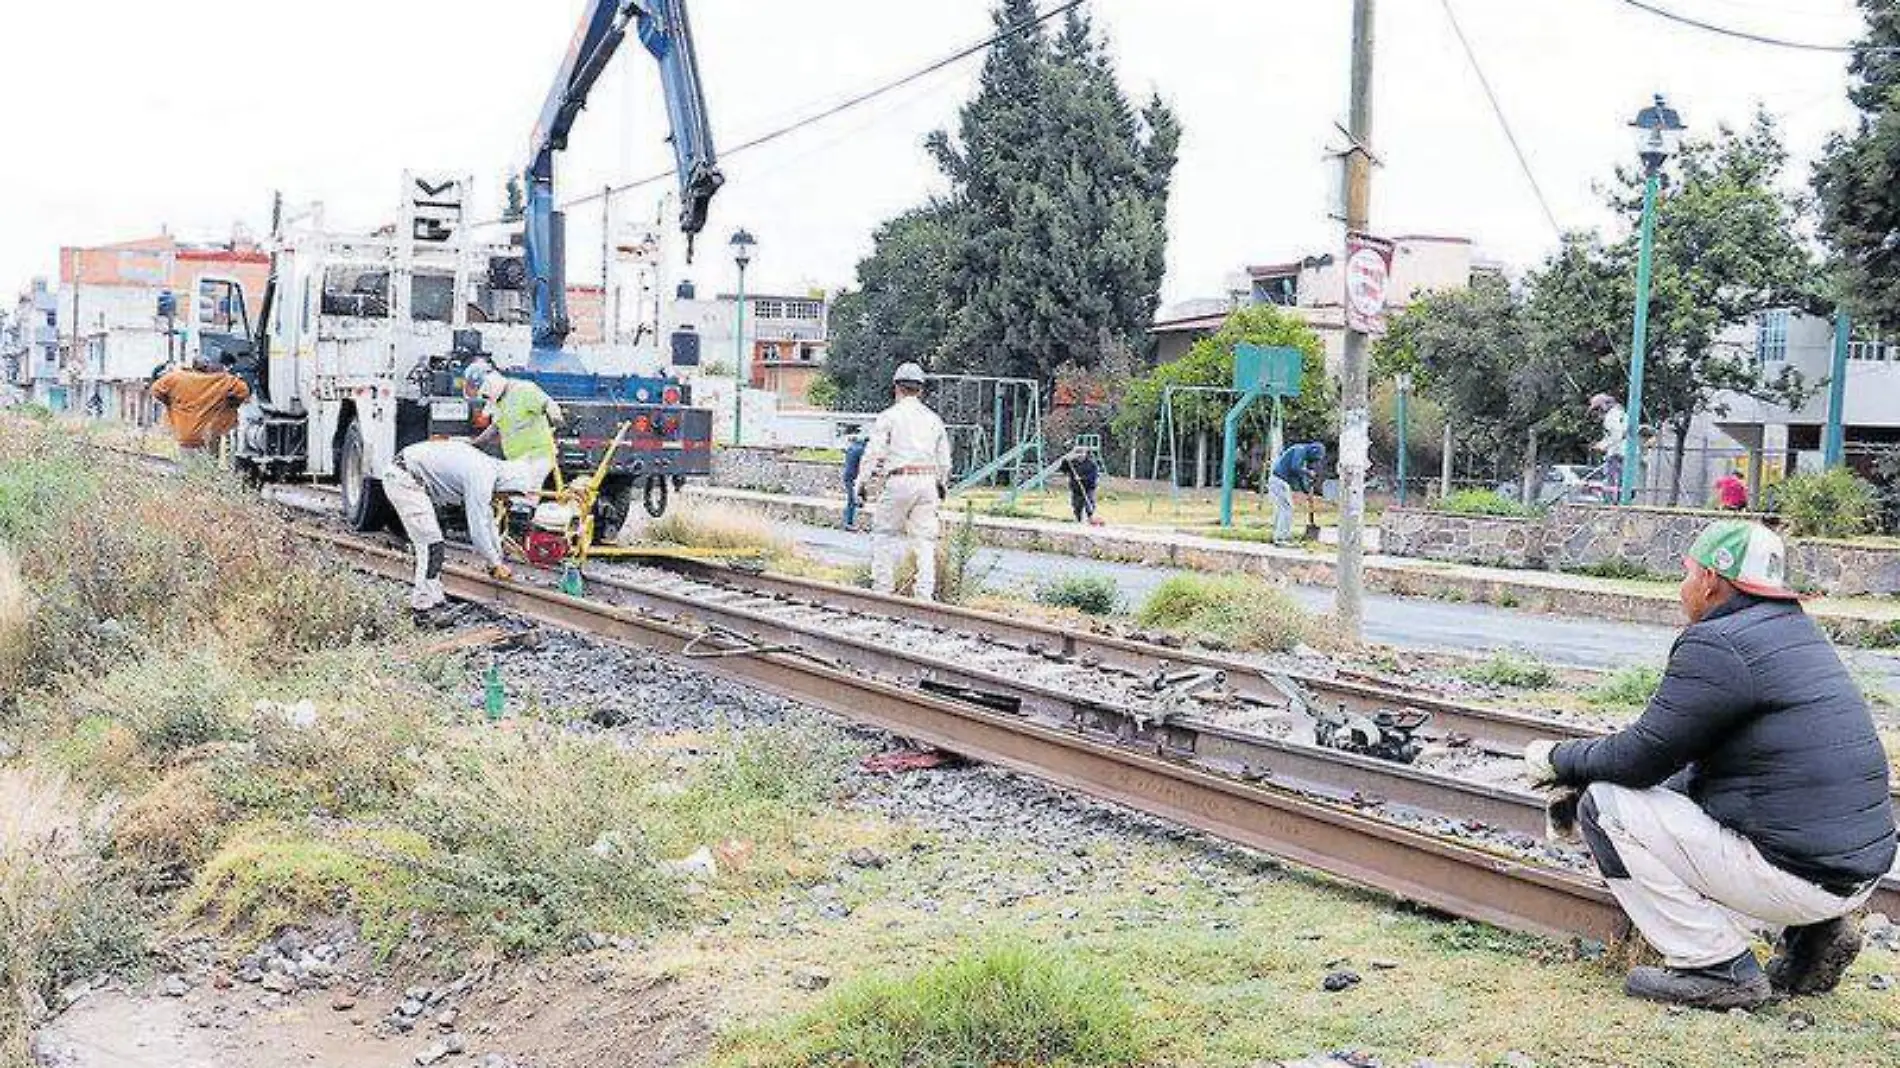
1747	554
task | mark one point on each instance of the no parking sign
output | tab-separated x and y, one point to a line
1368	279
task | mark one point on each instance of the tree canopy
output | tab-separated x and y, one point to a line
1858	179
1047	251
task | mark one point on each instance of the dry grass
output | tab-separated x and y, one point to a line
16	612
1234	612
165	833
698	524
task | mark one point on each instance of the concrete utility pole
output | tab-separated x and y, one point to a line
1354	419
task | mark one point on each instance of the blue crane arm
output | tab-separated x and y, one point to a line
662	28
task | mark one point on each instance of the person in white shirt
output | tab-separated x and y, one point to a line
910	447
440	474
1615	427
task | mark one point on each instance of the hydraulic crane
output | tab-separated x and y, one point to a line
662	28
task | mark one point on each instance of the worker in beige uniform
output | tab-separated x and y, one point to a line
911	449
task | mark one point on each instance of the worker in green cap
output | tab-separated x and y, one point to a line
1751	797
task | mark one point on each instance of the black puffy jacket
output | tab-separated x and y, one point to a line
1772	739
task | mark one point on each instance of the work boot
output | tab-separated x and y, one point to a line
1812	959
1733	984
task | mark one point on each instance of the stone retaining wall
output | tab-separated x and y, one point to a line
1581	537
774	471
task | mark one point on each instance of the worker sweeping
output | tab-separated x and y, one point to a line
522	417
201	403
1084	475
441	474
910	448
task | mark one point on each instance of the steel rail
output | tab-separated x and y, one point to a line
1436	872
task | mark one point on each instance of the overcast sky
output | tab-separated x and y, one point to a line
125	115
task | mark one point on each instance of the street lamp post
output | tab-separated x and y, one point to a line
1403	384
742	245
1658	136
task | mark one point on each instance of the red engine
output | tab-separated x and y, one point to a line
545	548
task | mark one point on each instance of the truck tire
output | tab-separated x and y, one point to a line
364	505
613	508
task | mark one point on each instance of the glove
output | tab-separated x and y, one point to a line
501	572
943	492
1560	814
1537	766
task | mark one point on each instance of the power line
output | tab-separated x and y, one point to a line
1504	123
1745	35
866	97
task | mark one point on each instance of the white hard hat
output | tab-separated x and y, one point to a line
908	374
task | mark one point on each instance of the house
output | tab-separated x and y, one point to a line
112	333
29	347
786	339
1314	288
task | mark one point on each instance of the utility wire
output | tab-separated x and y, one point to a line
1497	109
866	97
1757	38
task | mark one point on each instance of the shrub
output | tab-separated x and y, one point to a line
1010	1003
1096	595
697	524
1617	567
1832	504
1510	671
1628	688
1233	610
1481	502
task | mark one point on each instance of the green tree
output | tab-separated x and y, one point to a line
899	312
1312	416
1055	221
1858	179
823	393
517	203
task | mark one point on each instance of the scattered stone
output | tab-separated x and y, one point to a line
221	980
810	977
1517	1059
699	864
411	1007
869	859
1337	981
446	1020
279	983
1880	982
1800	1021
1382	964
437	1051
291	943
174	986
250	973
417	993
498	1060
342	1003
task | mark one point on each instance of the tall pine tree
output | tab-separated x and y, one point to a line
1053	234
1858	181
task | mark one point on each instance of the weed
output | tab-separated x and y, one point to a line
1630	687
703	525
1234	610
1510	671
1618	567
1096	595
1482	503
1832	504
164	834
1010	1003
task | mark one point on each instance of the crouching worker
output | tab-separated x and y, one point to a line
1751	795
441	474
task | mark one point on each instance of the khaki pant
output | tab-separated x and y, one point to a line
906	518
1698	891
417	512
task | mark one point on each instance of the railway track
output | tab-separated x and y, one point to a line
1207	741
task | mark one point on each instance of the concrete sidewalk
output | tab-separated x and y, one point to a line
1849	619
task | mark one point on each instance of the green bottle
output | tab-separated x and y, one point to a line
571	580
494	701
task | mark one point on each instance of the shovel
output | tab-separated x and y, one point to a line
1312	524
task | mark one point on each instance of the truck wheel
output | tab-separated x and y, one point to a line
612	509
364	505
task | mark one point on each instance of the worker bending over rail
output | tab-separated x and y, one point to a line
521	415
440	474
1752	794
910	446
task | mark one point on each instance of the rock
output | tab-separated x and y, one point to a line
446	1020
1381	964
270	1002
810	977
1337	981
291	943
411	1007
417	993
1517	1059
1880	982
699	864
1800	1021
342	1003
173	986
861	857
250	973
279	983
437	1051
497	1060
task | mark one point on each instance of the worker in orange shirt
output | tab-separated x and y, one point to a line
201	404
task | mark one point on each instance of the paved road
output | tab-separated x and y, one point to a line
1404	622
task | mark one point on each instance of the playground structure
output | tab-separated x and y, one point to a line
995	427
1259	371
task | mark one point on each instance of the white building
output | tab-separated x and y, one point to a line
30	347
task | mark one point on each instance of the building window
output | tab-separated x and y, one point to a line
769	309
1873	350
1771	336
1280	290
805	353
810	311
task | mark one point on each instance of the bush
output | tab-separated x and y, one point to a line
1512	672
1234	611
698	524
1096	595
1628	688
1617	567
1007	1004
1481	502
1832	504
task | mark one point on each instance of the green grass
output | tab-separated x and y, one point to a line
1233	611
1618	567
1010	1003
1482	503
1095	595
1629	688
1512	672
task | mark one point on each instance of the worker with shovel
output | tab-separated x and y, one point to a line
441	474
1084	475
1296	469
